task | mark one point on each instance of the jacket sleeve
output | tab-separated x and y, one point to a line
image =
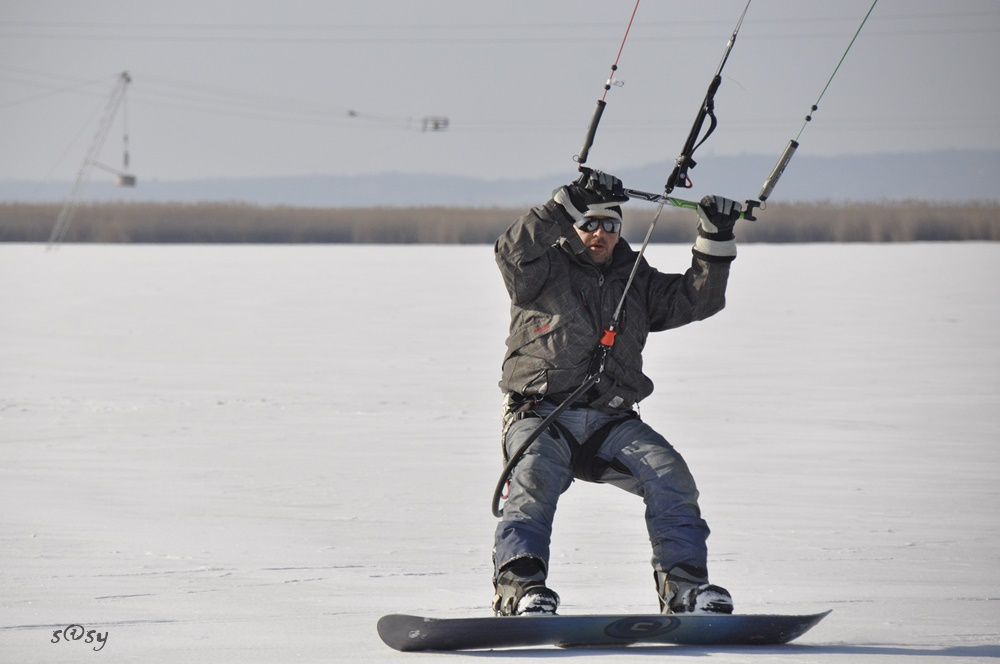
679	299
524	252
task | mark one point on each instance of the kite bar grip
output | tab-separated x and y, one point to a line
591	132
779	168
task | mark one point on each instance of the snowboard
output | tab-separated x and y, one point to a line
407	633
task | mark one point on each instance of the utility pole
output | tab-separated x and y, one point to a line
90	159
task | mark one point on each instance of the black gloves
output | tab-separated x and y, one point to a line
593	192
717	216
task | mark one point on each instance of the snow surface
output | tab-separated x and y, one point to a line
249	454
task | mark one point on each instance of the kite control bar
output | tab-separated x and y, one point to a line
689	205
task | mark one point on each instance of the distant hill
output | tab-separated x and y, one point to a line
940	176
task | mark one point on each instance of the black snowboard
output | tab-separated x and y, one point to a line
404	632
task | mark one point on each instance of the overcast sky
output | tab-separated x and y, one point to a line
296	87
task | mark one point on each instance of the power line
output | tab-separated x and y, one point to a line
573	39
47	93
486	33
197	98
543	26
212	99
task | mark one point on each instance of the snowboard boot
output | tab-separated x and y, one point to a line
520	589
686	590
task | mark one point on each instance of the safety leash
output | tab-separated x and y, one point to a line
683	163
608	337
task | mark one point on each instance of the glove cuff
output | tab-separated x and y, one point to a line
715	251
562	197
721	236
606	209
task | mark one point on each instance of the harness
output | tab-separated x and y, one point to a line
585	463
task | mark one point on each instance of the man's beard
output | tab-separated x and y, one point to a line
599	252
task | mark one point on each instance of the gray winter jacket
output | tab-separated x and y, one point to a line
561	301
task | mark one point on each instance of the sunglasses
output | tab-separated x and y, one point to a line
589	225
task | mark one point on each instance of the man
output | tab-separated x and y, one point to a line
566	269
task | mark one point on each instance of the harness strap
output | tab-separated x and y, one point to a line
587	466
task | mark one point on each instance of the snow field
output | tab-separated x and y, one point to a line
250	453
